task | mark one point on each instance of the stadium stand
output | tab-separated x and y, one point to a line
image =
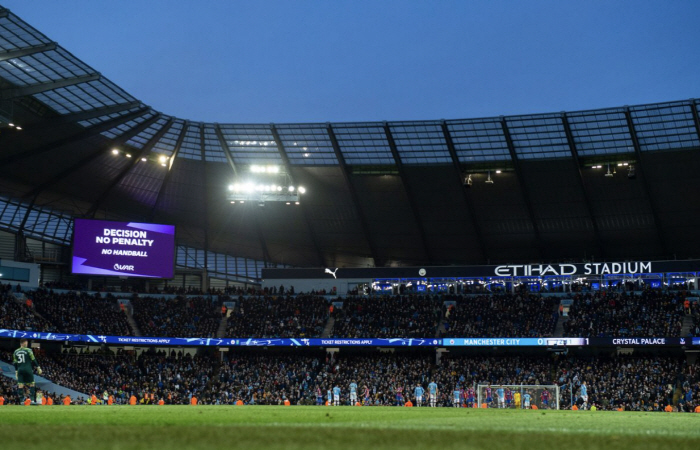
504	315
636	383
180	316
78	312
19	316
174	377
653	313
601	314
278	316
388	316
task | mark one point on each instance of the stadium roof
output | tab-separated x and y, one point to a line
379	193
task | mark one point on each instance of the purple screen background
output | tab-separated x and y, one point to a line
89	260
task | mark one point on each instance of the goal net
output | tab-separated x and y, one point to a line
541	396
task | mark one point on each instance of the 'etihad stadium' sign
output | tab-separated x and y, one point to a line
538	270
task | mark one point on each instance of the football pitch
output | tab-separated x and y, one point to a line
307	427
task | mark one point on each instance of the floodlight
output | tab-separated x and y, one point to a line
468	181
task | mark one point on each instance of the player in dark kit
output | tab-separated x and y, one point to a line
24	361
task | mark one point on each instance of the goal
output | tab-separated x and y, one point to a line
535	391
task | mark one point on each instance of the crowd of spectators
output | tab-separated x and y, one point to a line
138	286
592	314
607	314
80	313
614	382
629	382
693	310
501	315
68	285
271	379
401	316
278	316
177	317
639	383
19	315
174	377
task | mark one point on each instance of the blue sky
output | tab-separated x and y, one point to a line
320	61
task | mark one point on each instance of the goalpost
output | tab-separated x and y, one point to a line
534	390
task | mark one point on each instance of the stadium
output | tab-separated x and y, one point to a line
512	280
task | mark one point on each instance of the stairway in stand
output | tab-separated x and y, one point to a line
687	325
328	329
132	323
559	328
221	331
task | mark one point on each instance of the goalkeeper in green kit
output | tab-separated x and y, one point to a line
24	361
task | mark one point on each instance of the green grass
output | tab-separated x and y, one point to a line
306	427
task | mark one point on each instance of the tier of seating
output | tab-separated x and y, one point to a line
278	316
652	313
180	316
504	315
599	314
175	377
639	383
388	316
20	316
80	313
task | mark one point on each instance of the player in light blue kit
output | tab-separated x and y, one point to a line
455	397
501	394
526	400
336	396
418	392
432	393
353	393
584	395
330	397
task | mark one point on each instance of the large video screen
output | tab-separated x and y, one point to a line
126	249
